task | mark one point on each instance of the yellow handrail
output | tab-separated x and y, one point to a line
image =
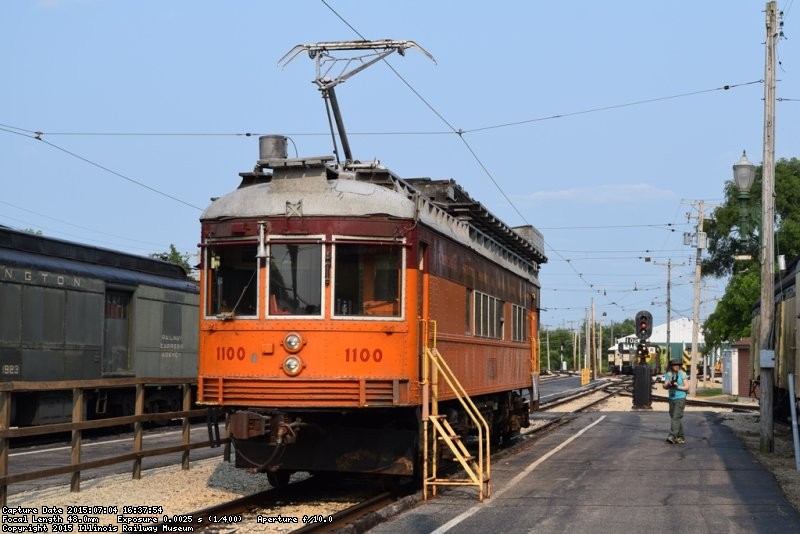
479	472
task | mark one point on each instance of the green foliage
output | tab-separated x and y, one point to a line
731	319
174	256
725	239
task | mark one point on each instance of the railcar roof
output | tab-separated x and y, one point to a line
444	195
455	200
23	249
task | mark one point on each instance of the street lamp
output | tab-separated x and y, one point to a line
744	173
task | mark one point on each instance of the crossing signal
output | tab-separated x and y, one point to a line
644	325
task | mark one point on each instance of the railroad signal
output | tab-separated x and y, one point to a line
642	352
644	325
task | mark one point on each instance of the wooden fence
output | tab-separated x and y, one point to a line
78	425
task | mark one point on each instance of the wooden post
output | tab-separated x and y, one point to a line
187	426
696	307
767	238
137	431
5	443
75	459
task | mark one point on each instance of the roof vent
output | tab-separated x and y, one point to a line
272	147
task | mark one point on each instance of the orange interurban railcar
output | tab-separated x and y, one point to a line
321	284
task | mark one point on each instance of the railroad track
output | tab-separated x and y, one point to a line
263	509
616	387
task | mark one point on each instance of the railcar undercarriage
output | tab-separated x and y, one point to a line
381	441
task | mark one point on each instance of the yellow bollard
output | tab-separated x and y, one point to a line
585	374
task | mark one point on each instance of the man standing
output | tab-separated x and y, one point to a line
675	380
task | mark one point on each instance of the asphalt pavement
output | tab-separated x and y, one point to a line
614	472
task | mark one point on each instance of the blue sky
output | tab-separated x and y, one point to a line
622	119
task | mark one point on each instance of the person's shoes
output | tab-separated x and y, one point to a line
670	439
680	441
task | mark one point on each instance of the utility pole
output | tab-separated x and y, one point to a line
668	265
588	340
547	338
700	237
576	340
706	359
593	345
600	352
767	238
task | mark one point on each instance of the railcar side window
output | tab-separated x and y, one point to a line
367	280
488	316
295	279
232	280
519	325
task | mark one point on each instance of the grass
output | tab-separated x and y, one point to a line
709	392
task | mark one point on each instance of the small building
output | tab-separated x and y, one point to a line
737	368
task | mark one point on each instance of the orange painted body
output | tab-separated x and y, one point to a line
347	363
363	362
322	284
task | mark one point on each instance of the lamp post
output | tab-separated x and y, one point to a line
744	173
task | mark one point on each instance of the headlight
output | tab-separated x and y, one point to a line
292	365
293	342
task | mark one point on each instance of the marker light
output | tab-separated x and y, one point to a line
292	365
293	342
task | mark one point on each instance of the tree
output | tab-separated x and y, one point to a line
174	256
564	337
731	319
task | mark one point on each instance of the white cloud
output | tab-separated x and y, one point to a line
601	194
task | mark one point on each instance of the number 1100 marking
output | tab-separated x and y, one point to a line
364	355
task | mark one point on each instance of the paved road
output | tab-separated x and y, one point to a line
614	472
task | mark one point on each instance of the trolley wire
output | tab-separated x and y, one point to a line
39	137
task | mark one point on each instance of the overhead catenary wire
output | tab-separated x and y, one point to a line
470	149
454	131
38	137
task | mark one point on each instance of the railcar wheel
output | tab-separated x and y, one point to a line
279	479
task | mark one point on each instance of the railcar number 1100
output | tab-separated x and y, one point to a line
229	353
350	354
364	355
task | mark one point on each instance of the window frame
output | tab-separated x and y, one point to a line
519	323
489	319
290	240
340	240
207	281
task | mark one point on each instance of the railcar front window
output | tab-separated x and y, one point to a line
367	280
232	280
295	274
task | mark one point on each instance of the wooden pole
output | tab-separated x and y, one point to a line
767	236
696	313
